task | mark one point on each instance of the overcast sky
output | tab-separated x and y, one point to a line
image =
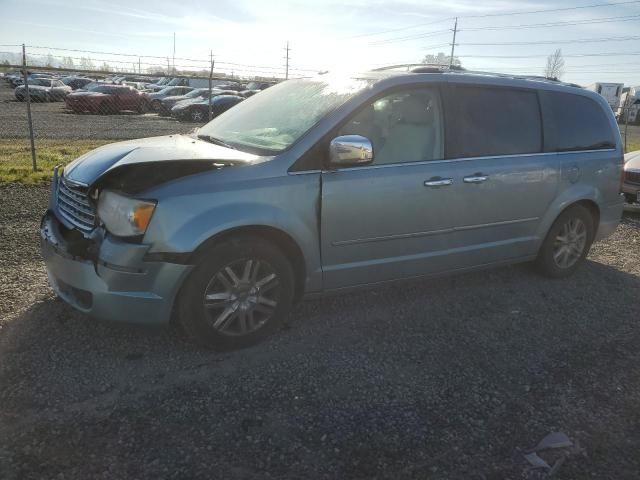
335	34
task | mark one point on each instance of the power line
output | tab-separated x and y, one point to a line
549	10
504	14
558	42
438	45
623	18
399	29
192	67
163	58
576	55
410	37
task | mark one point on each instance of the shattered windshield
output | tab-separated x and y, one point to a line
274	120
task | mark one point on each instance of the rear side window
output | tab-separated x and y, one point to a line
573	122
489	121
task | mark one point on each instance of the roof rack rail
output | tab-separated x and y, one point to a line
439	68
420	67
539	78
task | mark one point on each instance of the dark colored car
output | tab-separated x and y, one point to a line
202	97
76	82
168	103
199	111
108	99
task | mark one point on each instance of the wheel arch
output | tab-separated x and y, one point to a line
587	202
276	236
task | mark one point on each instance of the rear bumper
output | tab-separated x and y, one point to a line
609	219
117	284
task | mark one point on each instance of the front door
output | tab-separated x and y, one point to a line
394	217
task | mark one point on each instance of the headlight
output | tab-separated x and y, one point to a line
124	216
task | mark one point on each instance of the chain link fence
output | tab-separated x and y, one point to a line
49	116
60	113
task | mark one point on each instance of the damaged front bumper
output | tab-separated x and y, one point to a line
108	278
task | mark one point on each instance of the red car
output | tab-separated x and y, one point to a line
108	99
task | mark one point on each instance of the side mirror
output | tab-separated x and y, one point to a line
350	150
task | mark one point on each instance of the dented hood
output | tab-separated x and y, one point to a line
171	148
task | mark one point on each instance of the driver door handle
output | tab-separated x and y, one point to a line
438	182
477	178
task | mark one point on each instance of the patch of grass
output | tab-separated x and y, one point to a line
633	146
15	158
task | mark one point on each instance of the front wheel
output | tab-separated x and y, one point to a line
567	243
197	116
239	293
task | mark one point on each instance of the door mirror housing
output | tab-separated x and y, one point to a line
350	150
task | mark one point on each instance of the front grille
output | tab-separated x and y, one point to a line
632	177
74	205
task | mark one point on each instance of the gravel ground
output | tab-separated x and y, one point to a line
450	378
52	122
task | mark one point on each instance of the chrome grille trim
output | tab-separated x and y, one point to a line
74	207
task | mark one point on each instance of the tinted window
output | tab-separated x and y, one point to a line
484	122
574	122
403	127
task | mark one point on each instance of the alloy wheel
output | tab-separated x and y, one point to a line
570	243
197	116
242	296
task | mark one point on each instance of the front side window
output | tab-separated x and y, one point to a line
404	126
274	120
574	122
492	121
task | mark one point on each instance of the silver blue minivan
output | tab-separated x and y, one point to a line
324	184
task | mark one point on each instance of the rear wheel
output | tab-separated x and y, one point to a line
143	107
567	243
239	293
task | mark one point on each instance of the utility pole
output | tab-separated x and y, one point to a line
286	72
139	71
26	90
168	68
174	52
453	44
210	85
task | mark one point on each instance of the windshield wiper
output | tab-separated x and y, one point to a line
217	141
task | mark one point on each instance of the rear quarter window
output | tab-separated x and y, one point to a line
574	122
491	121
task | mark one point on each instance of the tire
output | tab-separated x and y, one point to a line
243	307
156	105
143	108
559	258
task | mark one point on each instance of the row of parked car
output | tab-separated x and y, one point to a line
183	98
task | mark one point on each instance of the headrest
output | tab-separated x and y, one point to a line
416	111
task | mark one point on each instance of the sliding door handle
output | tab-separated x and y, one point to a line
438	182
475	179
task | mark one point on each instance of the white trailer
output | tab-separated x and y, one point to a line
610	91
629	105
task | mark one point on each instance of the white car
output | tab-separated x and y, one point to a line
631	183
43	89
